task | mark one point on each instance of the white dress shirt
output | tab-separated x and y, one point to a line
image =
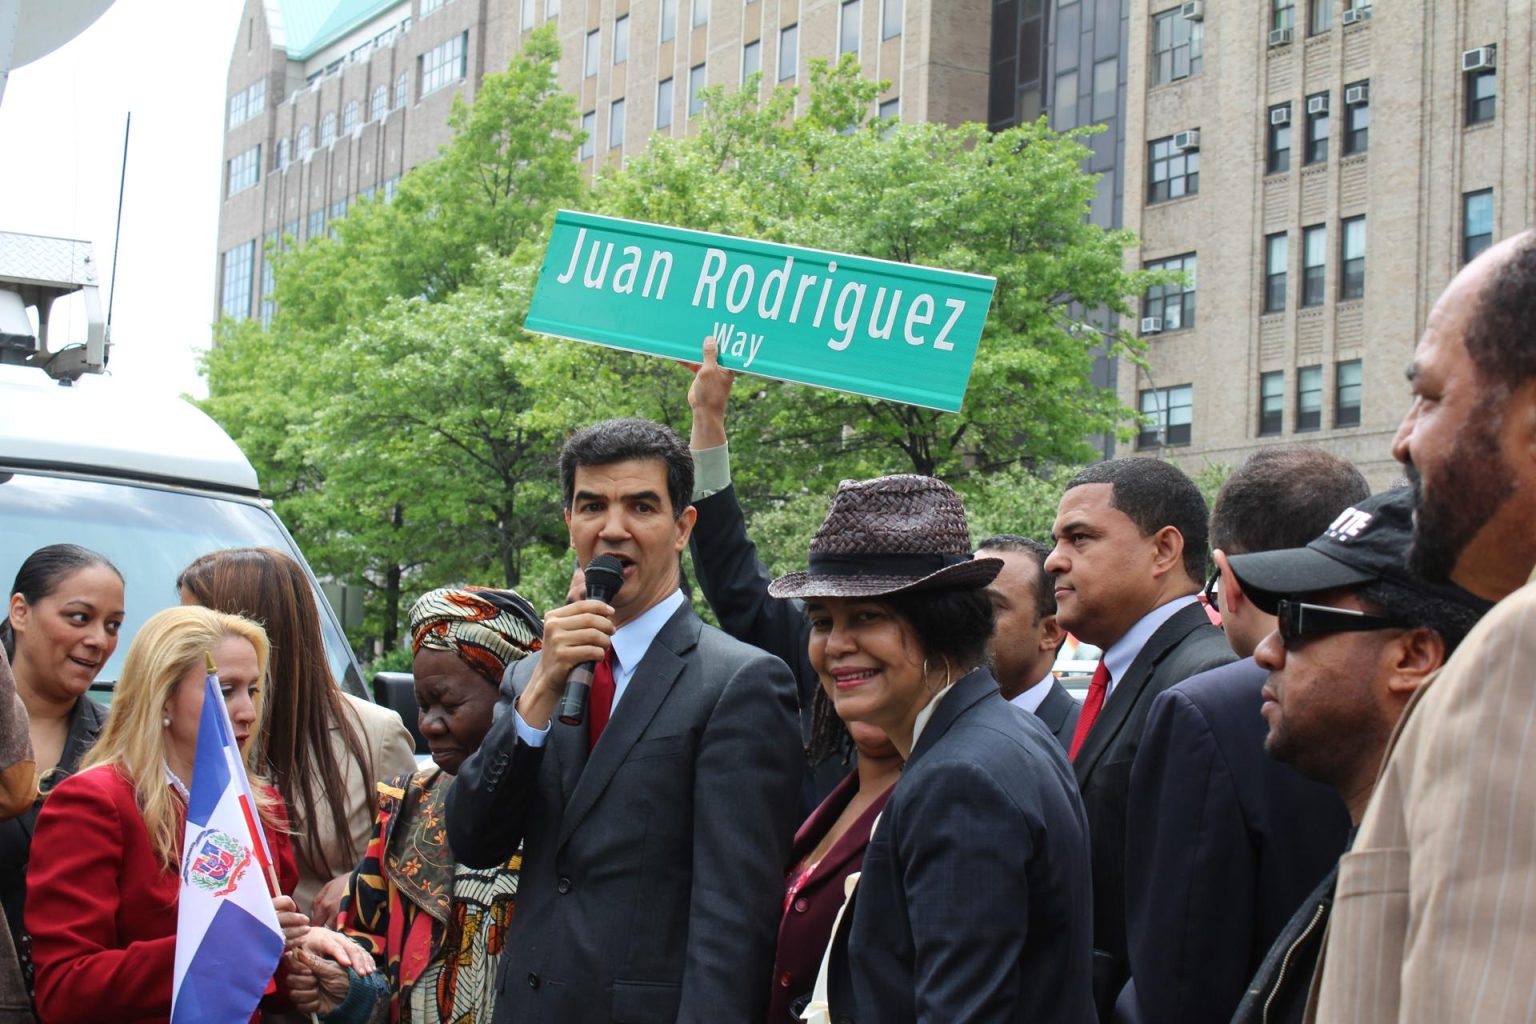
1031	699
1123	651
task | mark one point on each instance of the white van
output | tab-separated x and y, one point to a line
152	483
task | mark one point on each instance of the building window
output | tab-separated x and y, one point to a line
890	19
668	20
1352	259
1314	260
1346	394
1317	128
378	103
248	103
1178	46
664	103
530	14
338	211
616	124
269	250
1166	415
621	39
239	266
591	55
280	155
1271	403
1277	258
402	90
789	51
890	109
751	60
444	64
315	223
1476	223
1319	16
695	84
1357	118
1482	95
1106	84
848	28
328	128
427	7
1064	103
244	171
1309	398
237	109
1283	15
551	8
589	135
700	13
1171	172
1278	149
349	115
1172	304
391	186
303	144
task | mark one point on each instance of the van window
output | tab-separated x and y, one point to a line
151	534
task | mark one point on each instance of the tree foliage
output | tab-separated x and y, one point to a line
407	426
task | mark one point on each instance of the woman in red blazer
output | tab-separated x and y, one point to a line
104	879
828	847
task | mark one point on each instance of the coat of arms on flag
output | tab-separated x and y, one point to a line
216	863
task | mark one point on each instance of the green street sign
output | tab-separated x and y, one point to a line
849	323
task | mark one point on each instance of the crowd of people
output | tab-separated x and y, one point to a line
1297	787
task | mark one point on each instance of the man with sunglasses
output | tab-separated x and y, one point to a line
1222	842
1357	633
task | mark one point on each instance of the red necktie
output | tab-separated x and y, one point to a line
601	704
1092	704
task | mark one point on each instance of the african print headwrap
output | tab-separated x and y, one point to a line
487	629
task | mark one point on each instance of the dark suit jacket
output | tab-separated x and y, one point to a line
807	922
1223	843
653	870
973	904
1183	646
1059	711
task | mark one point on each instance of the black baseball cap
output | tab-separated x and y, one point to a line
1367	542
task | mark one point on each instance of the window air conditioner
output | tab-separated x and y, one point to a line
1355	95
1281	36
1355	14
1185	141
1317	104
1480	59
1194	10
1151	325
1280	115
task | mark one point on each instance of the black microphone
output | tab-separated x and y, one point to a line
604	575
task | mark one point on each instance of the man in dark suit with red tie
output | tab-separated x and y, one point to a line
1128	563
655	834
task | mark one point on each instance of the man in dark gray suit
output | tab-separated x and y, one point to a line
655	834
1128	562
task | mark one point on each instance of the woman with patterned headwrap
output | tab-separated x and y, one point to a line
434	927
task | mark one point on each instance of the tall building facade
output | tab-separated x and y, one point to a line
332	100
1319	169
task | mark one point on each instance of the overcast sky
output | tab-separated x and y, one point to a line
61	133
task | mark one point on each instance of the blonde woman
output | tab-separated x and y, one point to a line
103	887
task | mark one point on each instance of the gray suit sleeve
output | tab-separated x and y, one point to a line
745	798
488	802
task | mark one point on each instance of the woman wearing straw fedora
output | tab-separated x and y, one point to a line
974	901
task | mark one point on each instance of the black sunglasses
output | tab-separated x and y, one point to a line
1297	619
1212	591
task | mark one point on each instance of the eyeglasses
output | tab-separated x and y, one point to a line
1298	619
1212	592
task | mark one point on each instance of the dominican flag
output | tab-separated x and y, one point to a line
228	942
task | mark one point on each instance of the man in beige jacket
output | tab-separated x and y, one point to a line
1435	912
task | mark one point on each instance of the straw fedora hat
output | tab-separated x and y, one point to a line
890	535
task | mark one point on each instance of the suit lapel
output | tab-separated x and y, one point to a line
971	688
661	667
1128	690
1053	710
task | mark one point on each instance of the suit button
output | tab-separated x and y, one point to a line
785	980
533	981
802	905
563	886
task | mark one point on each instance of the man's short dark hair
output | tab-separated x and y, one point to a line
1282	498
1154	494
1045	586
626	440
1500	337
1452	619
